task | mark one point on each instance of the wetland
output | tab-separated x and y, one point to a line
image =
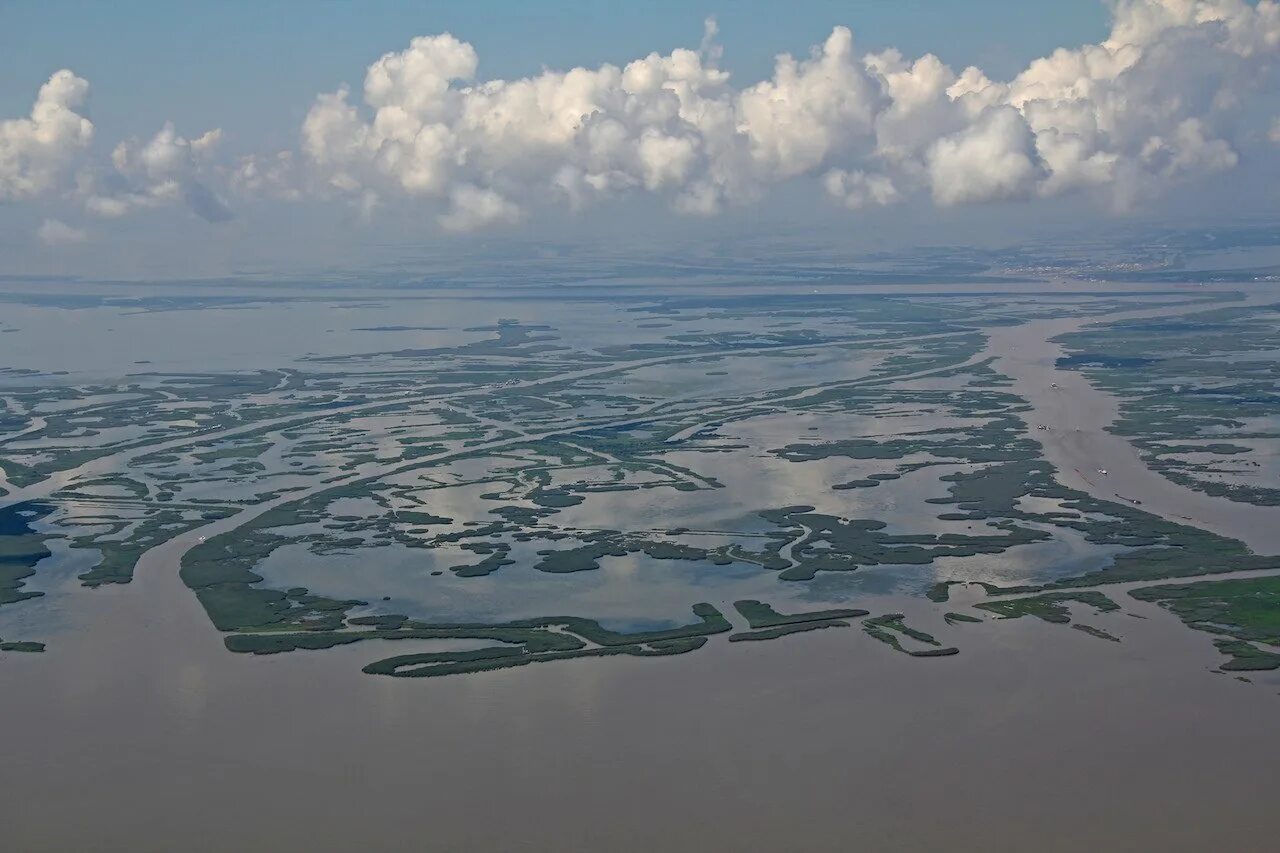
321	542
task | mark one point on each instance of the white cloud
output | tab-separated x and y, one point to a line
48	154
1188	150
993	159
107	207
810	110
38	152
666	161
1149	105
273	176
167	169
858	189
473	207
54	233
1176	92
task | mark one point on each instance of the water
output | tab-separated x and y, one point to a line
138	731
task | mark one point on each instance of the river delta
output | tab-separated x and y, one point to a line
359	524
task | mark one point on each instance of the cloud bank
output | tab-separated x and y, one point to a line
1179	90
36	152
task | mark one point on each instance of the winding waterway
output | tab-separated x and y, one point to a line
137	726
1077	442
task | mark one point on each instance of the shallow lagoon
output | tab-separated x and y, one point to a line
811	732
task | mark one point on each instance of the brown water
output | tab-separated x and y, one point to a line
1080	447
137	731
139	734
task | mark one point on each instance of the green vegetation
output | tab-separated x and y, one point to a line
532	639
711	621
21	646
856	484
496	559
761	615
1051	606
894	622
1095	632
217	571
535	452
584	558
1246	657
835	544
120	555
940	592
889	628
786	630
525	641
434	664
1195	387
1243	612
21	549
1008	469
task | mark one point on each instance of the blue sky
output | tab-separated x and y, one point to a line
207	137
253	68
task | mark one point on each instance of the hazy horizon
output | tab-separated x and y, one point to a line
754	426
861	124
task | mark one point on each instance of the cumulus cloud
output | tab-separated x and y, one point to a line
54	233
1179	90
164	170
271	176
1188	150
38	152
1144	108
994	158
858	189
473	207
47	154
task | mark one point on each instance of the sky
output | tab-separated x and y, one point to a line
145	138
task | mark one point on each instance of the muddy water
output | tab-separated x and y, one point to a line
139	733
136	731
1077	443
